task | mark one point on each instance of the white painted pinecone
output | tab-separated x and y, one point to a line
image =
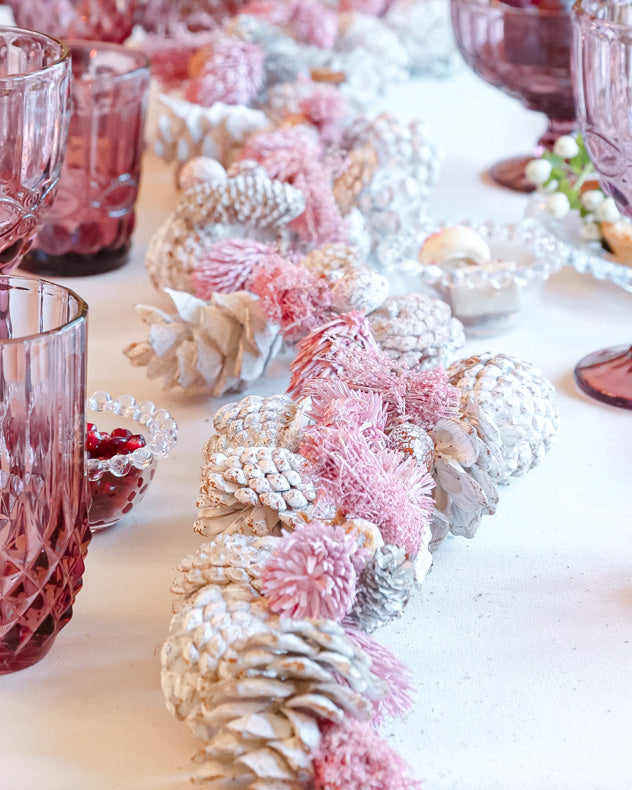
247	204
216	347
242	478
511	405
384	588
411	439
229	559
361	166
418	330
464	472
332	257
276	421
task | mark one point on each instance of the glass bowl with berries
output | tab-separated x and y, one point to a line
122	461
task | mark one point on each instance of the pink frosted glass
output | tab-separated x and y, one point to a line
44	530
97	20
90	225
524	51
34	106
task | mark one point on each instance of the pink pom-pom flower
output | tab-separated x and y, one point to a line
313	23
313	573
233	73
352	756
333	404
229	264
325	108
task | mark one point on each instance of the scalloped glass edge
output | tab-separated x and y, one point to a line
586	257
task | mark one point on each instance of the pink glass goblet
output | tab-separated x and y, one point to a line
523	48
44	530
34	111
602	54
98	20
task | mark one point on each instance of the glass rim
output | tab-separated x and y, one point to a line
508	10
142	63
37	285
581	14
64	55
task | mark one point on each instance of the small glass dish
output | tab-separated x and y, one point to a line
487	299
586	257
117	484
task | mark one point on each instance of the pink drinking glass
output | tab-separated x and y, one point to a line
44	530
34	109
524	51
90	226
602	54
98	20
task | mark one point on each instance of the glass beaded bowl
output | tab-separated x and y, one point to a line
486	299
117	484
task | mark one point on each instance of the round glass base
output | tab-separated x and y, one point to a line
510	173
74	264
606	375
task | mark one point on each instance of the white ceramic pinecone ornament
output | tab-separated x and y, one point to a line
276	421
215	347
384	588
418	330
253	686
511	405
247	204
244	481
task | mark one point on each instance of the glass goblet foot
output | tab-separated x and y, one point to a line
606	375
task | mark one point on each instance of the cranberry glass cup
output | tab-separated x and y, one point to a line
98	20
34	104
44	529
524	51
89	228
602	54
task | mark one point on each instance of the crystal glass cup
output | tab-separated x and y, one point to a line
98	20
44	529
90	226
523	49
34	105
602	71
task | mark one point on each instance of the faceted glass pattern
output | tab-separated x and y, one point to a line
34	109
98	20
89	228
44	530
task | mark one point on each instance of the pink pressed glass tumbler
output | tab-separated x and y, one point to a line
523	48
602	71
34	105
44	530
98	20
90	226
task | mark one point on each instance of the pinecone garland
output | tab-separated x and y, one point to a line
277	421
511	405
383	589
333	257
243	478
357	176
417	330
214	347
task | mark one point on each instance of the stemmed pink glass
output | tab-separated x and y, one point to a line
34	112
523	48
602	72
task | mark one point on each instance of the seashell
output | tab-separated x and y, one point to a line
200	170
455	245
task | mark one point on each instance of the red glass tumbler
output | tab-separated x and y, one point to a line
90	226
44	530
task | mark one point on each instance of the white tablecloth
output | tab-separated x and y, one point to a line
520	640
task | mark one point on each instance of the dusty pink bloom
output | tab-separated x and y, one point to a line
368	7
292	156
326	107
334	404
313	23
312	573
352	756
319	353
233	73
291	296
386	665
228	264
382	486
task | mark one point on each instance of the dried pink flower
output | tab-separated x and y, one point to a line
291	296
352	756
228	264
386	665
334	404
312	573
382	486
319	354
313	23
325	107
233	73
